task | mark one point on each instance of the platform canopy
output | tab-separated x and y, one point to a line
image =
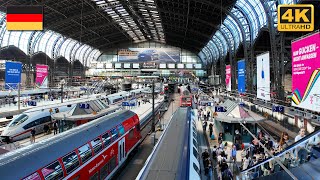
236	113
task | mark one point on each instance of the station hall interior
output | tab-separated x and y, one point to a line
159	89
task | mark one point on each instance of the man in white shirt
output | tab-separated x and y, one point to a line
302	153
300	135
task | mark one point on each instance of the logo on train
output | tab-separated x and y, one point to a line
298	17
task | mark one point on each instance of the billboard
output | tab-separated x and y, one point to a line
12	75
263	76
149	55
241	76
228	77
306	72
42	76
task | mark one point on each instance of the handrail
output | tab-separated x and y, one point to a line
287	149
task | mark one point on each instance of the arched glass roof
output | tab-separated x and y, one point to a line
251	16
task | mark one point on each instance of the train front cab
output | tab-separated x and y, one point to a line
185	101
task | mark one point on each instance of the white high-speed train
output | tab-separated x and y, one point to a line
21	125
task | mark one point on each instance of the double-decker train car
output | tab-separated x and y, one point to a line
94	150
176	154
185	97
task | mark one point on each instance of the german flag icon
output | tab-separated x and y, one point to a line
27	18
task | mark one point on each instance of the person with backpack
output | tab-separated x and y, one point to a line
227	175
205	155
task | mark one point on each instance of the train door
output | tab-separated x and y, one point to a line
121	150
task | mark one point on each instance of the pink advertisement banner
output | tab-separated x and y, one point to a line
42	76
228	77
305	72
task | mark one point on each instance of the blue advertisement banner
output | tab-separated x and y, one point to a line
13	75
155	55
241	76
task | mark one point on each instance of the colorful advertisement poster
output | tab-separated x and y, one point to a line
42	76
228	77
306	72
12	75
263	76
241	76
149	55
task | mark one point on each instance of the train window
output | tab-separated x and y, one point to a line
195	143
195	153
97	145
194	134
195	167
18	120
112	164
95	176
131	134
34	176
121	130
71	162
106	139
85	153
53	171
104	171
114	134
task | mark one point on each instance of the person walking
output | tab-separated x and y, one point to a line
205	155
205	126
210	129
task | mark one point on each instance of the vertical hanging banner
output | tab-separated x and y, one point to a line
263	76
306	72
27	18
241	76
42	76
12	75
228	77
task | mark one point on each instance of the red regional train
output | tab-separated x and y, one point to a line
185	97
92	151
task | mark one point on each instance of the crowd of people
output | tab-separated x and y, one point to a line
263	147
218	153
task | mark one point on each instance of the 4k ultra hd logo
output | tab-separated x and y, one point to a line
298	17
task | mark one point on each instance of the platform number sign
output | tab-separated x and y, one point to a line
220	109
84	106
277	108
298	17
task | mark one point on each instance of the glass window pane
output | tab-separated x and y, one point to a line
85	153
96	145
53	171
71	162
106	139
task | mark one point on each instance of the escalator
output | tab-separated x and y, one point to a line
300	158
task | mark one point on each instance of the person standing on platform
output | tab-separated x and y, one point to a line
205	155
210	130
234	153
33	136
55	128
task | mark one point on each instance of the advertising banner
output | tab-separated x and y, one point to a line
228	77
263	76
42	76
241	76
12	75
149	55
306	72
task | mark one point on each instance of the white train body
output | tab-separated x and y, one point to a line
21	125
